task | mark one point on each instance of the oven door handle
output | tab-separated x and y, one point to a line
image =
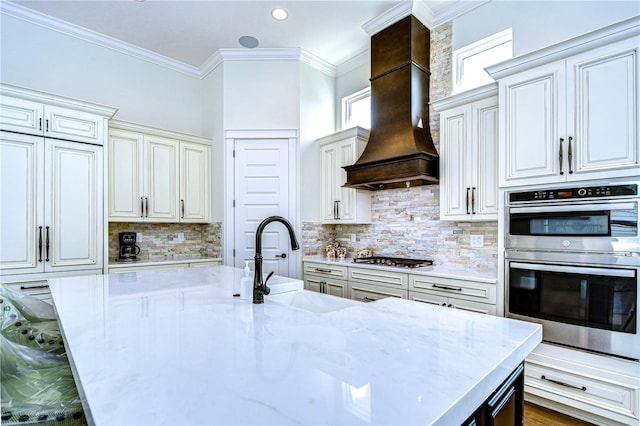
624	273
573	208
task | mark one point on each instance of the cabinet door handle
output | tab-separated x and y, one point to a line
560	155
446	287
570	155
141	207
40	124
566	385
322	284
146	204
40	244
47	124
182	207
46	243
473	200
468	189
328	271
335	210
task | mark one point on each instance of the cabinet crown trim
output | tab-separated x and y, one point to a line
155	131
358	132
603	36
56	100
466	97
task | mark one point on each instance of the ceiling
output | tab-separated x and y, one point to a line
186	34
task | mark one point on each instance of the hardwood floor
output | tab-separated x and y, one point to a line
535	415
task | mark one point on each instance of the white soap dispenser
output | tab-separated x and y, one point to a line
246	283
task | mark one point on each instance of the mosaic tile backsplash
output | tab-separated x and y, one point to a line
161	239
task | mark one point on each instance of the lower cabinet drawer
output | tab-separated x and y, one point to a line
452	302
449	287
380	277
370	293
610	395
322	269
38	289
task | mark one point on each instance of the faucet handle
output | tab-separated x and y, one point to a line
267	290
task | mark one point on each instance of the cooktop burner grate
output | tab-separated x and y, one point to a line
398	262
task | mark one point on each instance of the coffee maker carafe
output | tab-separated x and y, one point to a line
128	248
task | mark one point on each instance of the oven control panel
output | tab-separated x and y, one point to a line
603	191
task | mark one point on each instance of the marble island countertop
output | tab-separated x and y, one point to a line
436	270
174	347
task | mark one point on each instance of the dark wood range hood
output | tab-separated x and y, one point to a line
400	151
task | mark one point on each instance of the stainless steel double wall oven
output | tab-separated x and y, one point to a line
572	262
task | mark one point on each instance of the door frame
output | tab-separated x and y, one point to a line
228	226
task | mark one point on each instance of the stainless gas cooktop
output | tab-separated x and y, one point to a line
398	262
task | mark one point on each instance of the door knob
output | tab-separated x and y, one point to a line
283	255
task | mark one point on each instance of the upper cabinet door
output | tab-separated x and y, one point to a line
604	118
21	115
532	120
21	210
194	182
126	200
74	205
455	153
64	123
328	182
485	195
161	174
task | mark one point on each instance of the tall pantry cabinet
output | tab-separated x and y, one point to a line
52	164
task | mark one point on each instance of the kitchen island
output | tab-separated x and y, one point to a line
175	347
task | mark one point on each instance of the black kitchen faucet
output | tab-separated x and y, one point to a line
260	288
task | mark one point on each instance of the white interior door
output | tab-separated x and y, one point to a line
261	189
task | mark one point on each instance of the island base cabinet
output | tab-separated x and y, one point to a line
505	407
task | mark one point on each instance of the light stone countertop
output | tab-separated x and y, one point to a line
163	260
174	347
445	271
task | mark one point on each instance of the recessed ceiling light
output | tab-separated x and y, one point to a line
248	41
279	14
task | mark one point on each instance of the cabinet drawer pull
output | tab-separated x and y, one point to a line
369	299
566	385
560	155
570	155
328	271
445	287
34	287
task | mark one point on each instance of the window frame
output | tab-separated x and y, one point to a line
347	101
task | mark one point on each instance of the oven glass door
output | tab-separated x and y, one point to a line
602	298
590	220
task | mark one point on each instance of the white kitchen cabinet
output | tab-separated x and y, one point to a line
468	155
52	205
364	292
468	294
18	114
571	119
157	175
339	204
597	388
326	278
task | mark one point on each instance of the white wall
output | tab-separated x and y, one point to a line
537	24
39	58
212	127
317	110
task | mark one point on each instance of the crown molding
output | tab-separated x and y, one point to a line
359	60
421	10
63	27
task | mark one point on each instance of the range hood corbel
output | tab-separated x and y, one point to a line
400	151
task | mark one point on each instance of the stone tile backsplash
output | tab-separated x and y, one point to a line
406	222
161	239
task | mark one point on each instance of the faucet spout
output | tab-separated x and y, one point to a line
260	288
